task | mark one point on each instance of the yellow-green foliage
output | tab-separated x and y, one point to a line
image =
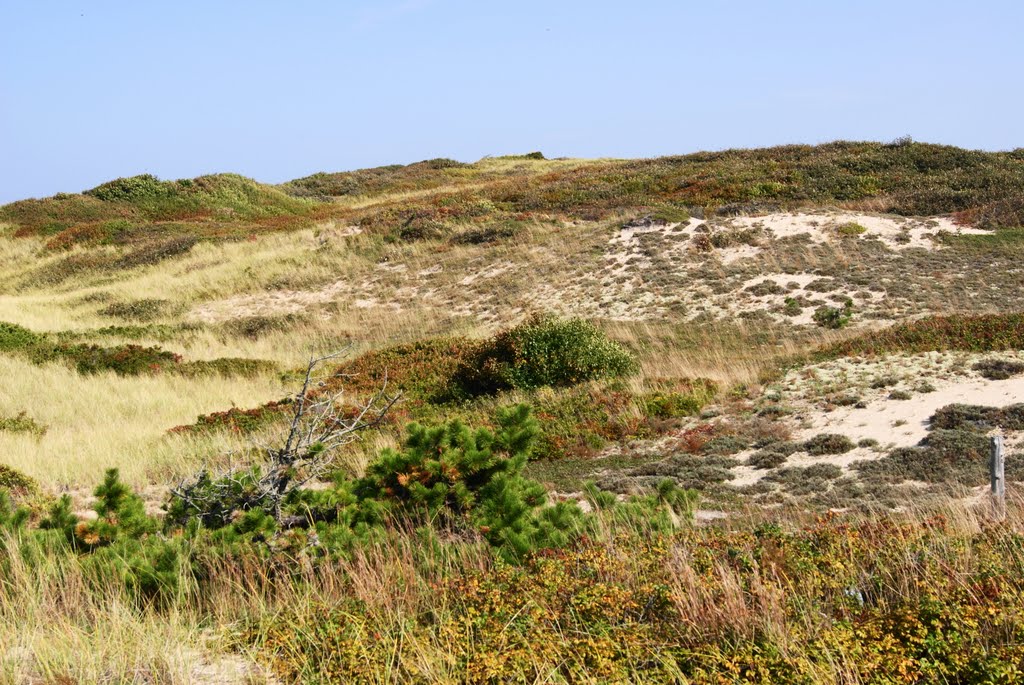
839	601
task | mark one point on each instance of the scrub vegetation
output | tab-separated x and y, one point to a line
720	417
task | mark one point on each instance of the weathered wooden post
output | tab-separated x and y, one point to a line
997	471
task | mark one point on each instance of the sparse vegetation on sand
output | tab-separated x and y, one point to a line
721	417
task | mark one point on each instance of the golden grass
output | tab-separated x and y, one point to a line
102	421
56	626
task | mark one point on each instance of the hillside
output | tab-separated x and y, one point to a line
787	358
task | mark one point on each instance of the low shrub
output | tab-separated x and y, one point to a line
136	310
227	367
979	418
828	443
256	327
22	423
670	214
238	420
984	333
766	459
834	317
999	369
15	482
792	307
850	229
489	233
822	285
765	287
671	405
14	337
131	189
544	351
156	252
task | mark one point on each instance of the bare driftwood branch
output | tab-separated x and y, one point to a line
320	424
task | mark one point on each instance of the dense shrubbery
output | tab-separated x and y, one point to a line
448	481
22	423
835	601
920	179
15	482
999	369
834	317
955	451
439	379
122	211
542	352
984	333
124	360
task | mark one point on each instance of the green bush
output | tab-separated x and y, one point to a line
851	229
136	310
465	480
131	189
999	369
227	367
14	337
978	418
15	481
766	287
828	443
983	333
671	405
544	351
489	233
670	214
22	423
834	317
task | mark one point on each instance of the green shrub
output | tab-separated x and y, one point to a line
460	479
999	369
828	443
14	337
136	310
725	445
984	333
15	481
131	189
227	367
900	395
489	233
766	459
671	405
670	214
125	360
850	229
955	457
978	418
22	423
822	285
766	287
544	351
834	317
156	252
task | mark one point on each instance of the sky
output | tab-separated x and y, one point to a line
97	89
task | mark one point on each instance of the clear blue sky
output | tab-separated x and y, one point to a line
92	90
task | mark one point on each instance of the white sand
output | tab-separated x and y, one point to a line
905	422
